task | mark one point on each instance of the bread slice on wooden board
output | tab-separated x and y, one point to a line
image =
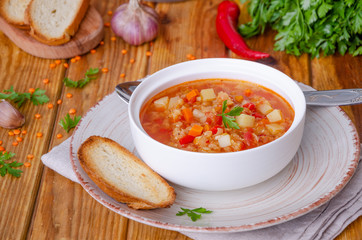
54	22
13	11
123	176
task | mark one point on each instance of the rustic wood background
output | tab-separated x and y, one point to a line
42	204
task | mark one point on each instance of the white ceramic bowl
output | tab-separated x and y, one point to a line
218	171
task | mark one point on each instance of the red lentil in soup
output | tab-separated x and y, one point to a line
216	115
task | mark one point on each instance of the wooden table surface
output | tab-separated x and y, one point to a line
42	204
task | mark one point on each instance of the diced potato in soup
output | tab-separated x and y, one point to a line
224	140
245	120
275	116
207	94
216	115
161	103
264	108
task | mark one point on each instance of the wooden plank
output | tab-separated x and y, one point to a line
64	209
18	196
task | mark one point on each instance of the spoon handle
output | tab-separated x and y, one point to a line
313	98
334	97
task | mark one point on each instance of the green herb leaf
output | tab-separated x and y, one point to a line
227	118
39	97
89	75
193	214
68	123
8	167
308	26
18	98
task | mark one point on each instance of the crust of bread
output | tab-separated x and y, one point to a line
22	24
112	190
68	33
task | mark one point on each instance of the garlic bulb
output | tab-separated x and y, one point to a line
136	23
10	117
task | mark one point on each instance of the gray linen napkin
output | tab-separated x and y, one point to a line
323	223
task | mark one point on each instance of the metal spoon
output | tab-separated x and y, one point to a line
328	98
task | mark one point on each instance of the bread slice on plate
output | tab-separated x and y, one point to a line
55	22
123	176
13	11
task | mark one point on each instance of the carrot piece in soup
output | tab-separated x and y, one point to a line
196	130
187	113
191	96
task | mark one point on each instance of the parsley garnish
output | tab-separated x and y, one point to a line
6	167
308	26
37	97
228	118
193	214
68	123
89	75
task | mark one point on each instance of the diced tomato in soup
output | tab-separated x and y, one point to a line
188	116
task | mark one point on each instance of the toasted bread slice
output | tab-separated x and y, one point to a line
55	22
13	11
123	176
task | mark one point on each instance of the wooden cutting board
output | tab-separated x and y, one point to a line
88	36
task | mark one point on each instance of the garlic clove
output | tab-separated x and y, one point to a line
10	117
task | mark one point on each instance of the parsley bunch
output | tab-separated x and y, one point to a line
194	214
37	97
307	26
68	123
89	75
228	118
8	167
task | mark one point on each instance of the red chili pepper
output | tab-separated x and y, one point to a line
226	24
218	120
257	115
186	139
214	129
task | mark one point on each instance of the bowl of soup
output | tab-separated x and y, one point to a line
217	124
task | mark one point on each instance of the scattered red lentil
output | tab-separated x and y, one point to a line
58	61
66	65
132	60
101	43
113	38
39	134
148	54
45	80
31	90
27	164
16	131
59	135
151	43
15	144
52	65
59	101
37	116
30	156
122	75
1	142
11	133
2	148
92	51
110	13
19	139
50	105
107	24
124	51
190	57
72	111
73	60
77	58
105	70
69	95
24	132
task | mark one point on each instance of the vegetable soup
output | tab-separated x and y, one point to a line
216	115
